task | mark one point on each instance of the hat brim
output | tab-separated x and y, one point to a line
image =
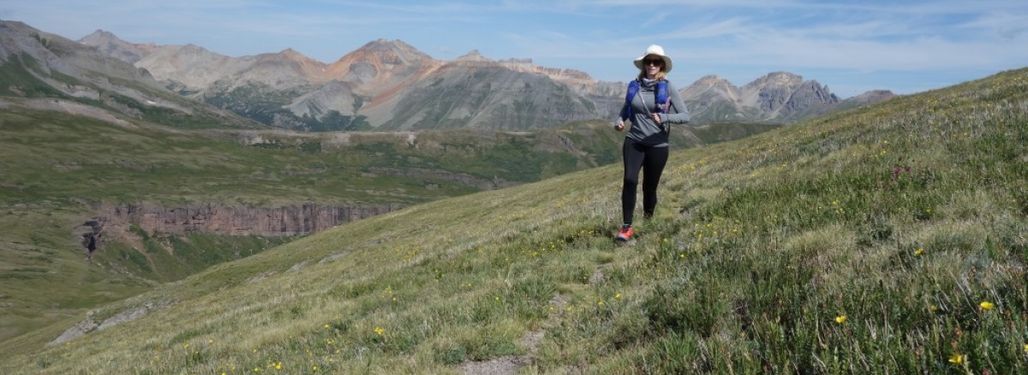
667	61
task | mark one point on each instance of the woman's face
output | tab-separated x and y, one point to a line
652	64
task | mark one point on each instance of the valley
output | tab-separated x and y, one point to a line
190	176
884	238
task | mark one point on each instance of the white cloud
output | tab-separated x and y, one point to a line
1004	25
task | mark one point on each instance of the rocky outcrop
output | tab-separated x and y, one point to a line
91	323
240	220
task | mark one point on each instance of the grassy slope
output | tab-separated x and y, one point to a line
758	248
55	166
46	280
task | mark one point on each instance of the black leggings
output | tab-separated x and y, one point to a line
652	159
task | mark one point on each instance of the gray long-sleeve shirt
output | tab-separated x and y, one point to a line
644	130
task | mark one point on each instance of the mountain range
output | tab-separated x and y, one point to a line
383	85
390	85
775	97
46	71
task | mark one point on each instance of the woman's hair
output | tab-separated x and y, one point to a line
660	76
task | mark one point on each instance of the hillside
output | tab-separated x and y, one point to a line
171	202
48	72
888	238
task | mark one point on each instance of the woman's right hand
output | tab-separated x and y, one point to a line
620	125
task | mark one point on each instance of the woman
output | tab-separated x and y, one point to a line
652	105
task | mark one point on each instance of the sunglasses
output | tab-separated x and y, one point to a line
655	62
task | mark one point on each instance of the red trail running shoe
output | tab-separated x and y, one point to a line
625	233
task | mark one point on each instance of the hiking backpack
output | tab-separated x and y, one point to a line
663	99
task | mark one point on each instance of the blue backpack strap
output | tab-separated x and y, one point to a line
663	99
633	88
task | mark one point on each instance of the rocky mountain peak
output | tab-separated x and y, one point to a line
100	36
287	68
385	44
710	78
708	89
109	44
379	61
775	97
776	79
711	81
192	48
290	55
396	52
473	56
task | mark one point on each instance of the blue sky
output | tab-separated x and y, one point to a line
852	46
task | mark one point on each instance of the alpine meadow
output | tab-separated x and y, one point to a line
883	239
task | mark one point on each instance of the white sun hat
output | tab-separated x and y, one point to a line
655	50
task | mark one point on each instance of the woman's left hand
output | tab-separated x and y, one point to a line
656	117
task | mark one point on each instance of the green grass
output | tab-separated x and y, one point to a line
724	132
88	159
57	168
758	249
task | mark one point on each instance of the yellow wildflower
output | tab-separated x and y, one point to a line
278	365
1026	348
986	305
840	319
919	252
958	359
380	331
